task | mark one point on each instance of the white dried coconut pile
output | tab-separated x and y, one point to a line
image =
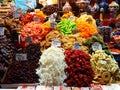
52	64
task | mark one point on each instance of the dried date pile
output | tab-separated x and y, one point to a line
21	72
79	72
25	71
7	52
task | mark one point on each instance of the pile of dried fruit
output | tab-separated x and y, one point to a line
86	30
79	72
12	27
7	52
87	18
97	38
67	15
54	34
21	72
25	71
33	54
69	40
66	26
35	30
66	41
27	18
104	67
50	9
52	64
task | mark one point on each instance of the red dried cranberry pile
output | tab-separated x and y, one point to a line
79	72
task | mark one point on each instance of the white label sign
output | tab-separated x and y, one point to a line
16	13
56	43
72	18
76	46
21	57
19	38
28	39
36	18
96	46
1	30
52	25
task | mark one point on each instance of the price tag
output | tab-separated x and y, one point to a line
56	43
21	57
28	39
75	31
96	46
76	46
52	25
36	18
84	88
19	38
26	88
16	13
1	30
72	18
32	12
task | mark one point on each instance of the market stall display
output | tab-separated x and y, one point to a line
58	49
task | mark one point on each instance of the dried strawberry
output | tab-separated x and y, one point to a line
79	72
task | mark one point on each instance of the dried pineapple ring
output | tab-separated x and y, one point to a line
106	76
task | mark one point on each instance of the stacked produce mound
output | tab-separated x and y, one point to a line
67	41
79	71
52	64
86	30
104	67
24	71
87	18
12	28
7	52
50	9
66	26
33	51
67	15
97	38
21	72
54	34
27	18
35	30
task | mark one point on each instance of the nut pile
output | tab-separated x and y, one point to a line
79	71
